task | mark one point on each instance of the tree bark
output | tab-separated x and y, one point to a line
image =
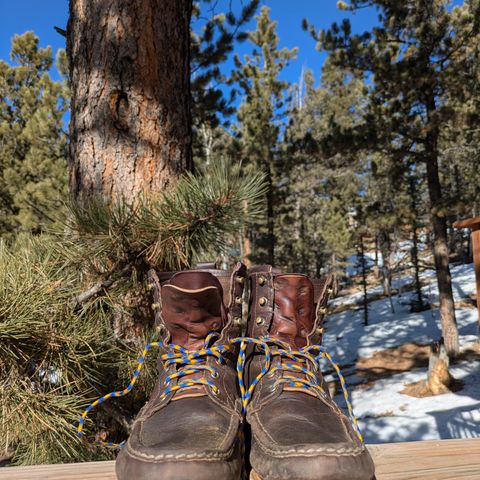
440	245
130	127
386	250
270	219
364	281
414	250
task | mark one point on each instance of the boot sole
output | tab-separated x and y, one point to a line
255	476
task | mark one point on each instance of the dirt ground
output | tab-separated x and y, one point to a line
406	357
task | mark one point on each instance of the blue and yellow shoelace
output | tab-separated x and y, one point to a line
193	361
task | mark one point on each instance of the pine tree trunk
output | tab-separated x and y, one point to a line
414	257
270	220
440	245
318	266
334	274
245	243
414	250
130	127
364	281
385	249
376	268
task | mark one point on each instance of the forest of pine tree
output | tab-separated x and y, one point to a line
376	148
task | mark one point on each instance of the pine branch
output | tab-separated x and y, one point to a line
103	285
61	31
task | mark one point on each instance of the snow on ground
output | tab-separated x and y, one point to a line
400	255
346	337
386	415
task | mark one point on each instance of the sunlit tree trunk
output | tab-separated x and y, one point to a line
130	128
440	242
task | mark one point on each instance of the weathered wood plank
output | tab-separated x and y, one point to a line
429	460
467	222
71	471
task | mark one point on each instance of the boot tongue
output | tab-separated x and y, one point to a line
294	311
192	307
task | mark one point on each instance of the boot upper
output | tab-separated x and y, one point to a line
194	412
298	432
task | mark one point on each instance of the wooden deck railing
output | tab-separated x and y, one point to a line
429	460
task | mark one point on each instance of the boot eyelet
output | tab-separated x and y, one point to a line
240	280
237	321
214	374
262	280
263	301
323	311
260	321
215	391
238	300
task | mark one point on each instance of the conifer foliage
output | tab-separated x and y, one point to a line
414	59
33	177
377	150
74	310
260	117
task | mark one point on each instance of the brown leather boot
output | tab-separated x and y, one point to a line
190	427
298	432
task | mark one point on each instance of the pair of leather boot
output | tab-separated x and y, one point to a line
223	401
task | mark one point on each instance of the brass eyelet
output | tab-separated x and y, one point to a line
263	301
155	306
330	291
237	321
320	330
259	320
262	280
215	391
150	286
214	374
323	311
240	280
238	300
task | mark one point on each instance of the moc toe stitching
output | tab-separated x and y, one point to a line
281	451
204	456
311	451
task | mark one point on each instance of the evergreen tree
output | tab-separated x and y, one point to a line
261	115
74	306
321	184
214	36
412	58
71	323
33	167
384	202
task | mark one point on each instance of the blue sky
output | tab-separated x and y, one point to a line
41	16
